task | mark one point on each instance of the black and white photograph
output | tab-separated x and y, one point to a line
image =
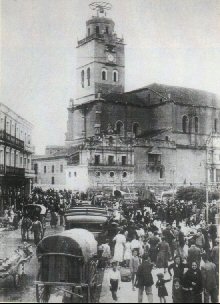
109	151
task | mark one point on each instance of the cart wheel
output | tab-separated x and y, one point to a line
42	294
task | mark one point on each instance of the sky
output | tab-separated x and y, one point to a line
172	42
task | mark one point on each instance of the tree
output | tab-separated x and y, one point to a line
196	195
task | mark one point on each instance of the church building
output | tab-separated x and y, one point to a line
158	135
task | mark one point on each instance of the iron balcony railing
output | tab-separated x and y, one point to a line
11	140
15	171
12	171
109	164
111	40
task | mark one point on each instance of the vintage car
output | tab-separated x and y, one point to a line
68	268
91	218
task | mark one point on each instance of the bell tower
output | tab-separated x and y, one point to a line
100	57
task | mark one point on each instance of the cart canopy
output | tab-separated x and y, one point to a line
33	210
77	242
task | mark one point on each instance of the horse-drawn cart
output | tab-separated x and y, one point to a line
68	268
32	212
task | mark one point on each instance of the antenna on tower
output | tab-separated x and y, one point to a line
100	6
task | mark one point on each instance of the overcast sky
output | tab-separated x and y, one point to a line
174	42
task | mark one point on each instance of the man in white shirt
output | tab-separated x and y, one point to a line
135	244
114	281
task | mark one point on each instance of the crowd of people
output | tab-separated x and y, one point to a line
172	238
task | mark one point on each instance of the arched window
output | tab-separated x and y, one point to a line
97	29
53	169
162	173
104	74
110	140
136	129
119	127
216	125
185	124
53	180
88	76
115	76
89	31
196	124
107	29
82	78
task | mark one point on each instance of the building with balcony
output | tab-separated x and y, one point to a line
16	150
106	161
155	135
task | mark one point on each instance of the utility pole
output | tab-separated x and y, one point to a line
207	178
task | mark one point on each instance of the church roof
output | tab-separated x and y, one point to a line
177	94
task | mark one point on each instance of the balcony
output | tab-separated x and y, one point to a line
11	141
111	41
15	171
154	166
109	164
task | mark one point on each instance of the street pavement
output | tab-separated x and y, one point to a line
127	295
9	241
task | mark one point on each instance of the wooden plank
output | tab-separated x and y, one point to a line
40	283
52	275
60	254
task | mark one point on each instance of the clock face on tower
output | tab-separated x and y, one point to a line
110	57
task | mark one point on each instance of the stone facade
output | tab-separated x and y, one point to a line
50	169
162	132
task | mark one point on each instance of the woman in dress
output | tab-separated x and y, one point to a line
178	268
160	285
163	255
120	242
128	253
192	285
153	251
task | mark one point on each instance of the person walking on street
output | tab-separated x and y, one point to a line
37	230
194	254
144	279
163	255
134	264
209	277
178	268
114	281
120	240
213	234
153	241
169	238
192	284
160	285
